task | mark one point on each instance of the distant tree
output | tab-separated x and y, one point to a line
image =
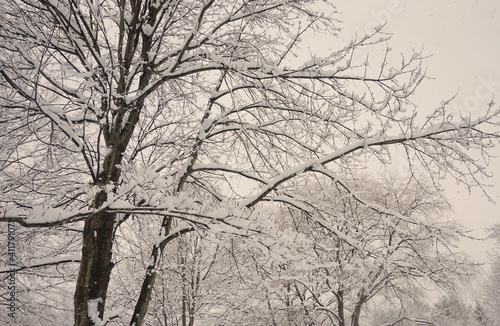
451	310
481	316
159	110
391	317
385	248
491	295
447	311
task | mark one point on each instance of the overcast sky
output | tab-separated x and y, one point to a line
462	38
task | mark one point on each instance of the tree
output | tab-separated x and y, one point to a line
490	297
480	315
409	313
156	110
372	253
450	310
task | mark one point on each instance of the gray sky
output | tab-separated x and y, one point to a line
462	38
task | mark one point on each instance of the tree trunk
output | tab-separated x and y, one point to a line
340	307
97	242
356	313
95	268
142	304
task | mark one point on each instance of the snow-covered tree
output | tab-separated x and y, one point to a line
480	316
389	248
447	311
161	111
404	313
491	297
451	310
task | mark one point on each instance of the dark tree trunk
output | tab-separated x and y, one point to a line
340	307
142	303
356	313
97	242
95	267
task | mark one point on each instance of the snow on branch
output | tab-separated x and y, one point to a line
383	140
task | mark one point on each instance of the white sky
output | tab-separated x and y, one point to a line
462	37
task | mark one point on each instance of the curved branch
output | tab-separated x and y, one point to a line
43	263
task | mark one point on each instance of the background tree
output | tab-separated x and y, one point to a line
157	110
372	251
448	310
451	310
480	315
490	296
402	312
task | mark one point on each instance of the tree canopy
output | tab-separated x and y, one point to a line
193	116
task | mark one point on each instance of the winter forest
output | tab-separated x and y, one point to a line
193	162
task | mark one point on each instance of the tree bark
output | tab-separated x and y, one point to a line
142	303
98	234
340	307
356	313
95	267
